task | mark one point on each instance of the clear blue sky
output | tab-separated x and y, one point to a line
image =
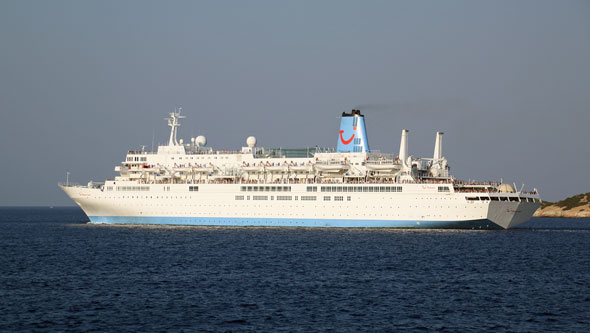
82	82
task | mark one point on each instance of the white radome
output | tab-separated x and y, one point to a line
251	141
201	141
506	188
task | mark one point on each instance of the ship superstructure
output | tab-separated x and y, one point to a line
352	186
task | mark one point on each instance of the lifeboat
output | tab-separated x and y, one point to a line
203	169
301	168
387	167
252	168
276	168
332	167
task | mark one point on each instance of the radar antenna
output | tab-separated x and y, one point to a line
173	123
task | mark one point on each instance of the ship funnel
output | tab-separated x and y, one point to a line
403	146
438	146
353	135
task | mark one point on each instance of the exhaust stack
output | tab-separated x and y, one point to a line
438	146
403	146
353	135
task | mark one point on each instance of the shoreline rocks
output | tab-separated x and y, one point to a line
577	206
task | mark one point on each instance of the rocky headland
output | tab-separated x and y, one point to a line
576	206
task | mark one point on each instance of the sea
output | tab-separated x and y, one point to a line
59	273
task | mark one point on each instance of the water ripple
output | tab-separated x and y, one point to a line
60	274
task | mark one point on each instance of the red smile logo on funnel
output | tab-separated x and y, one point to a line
349	140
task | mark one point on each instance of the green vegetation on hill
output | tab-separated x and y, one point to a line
569	203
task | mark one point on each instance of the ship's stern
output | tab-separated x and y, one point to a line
509	214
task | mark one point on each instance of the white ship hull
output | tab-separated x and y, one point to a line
228	205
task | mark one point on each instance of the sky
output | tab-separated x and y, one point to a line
82	82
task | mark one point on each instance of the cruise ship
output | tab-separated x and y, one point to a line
189	183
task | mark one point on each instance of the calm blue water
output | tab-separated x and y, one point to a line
58	273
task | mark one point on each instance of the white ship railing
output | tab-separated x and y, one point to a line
258	151
69	184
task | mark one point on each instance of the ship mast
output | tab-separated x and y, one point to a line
173	123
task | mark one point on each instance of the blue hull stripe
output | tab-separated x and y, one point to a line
277	222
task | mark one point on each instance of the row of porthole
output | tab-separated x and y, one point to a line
186	197
269	213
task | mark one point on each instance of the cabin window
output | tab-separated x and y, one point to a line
132	188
